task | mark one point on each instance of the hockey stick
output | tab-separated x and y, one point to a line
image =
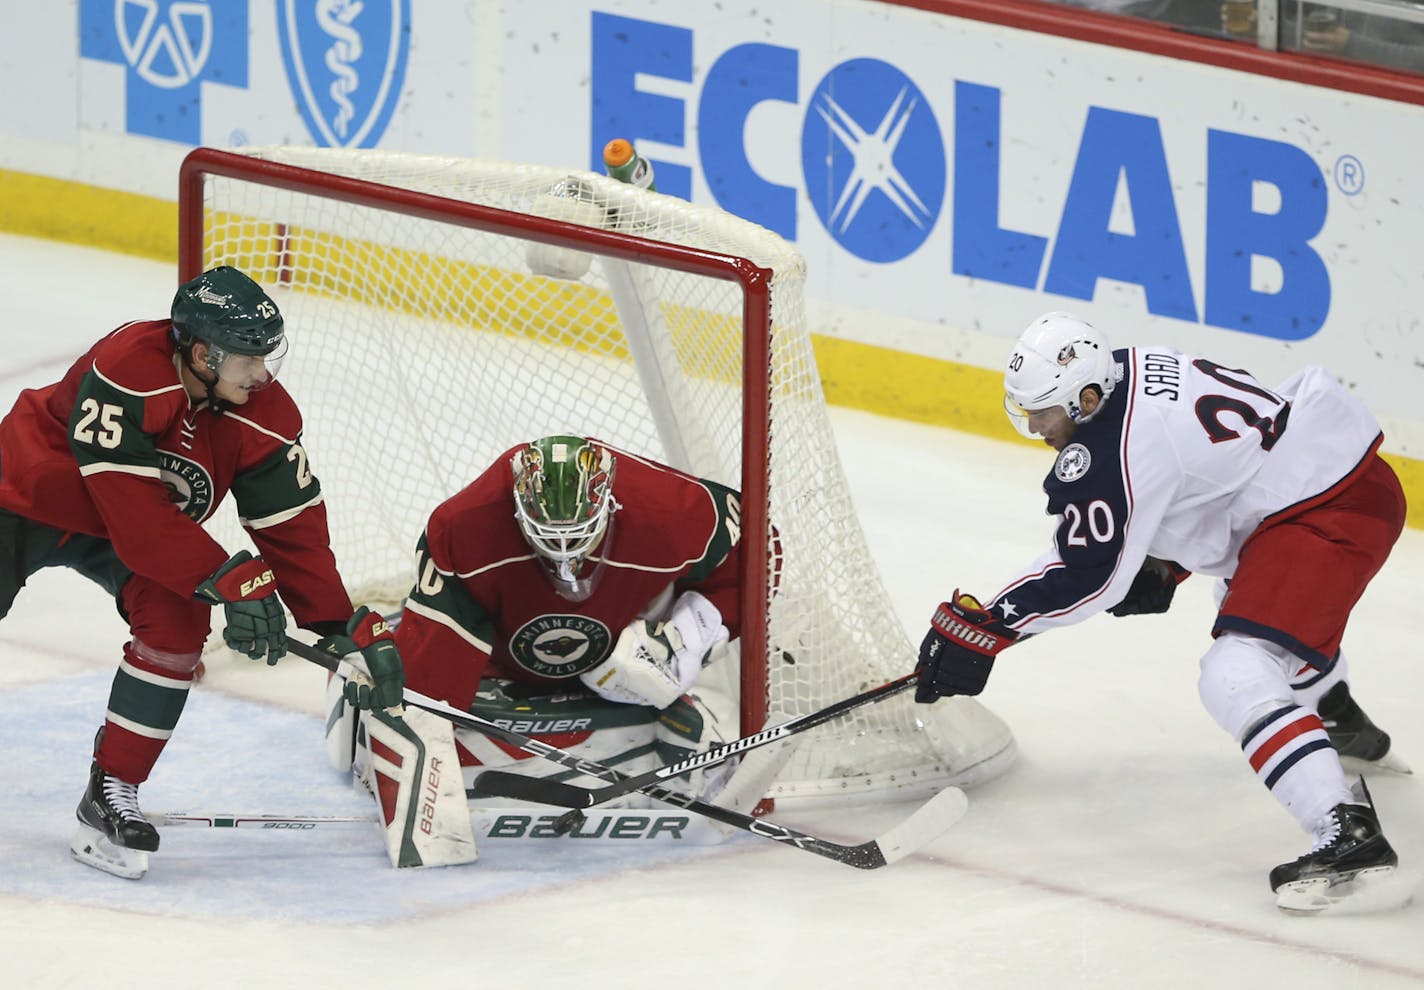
925	824
292	823
498	824
501	783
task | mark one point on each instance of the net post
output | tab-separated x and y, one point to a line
756	577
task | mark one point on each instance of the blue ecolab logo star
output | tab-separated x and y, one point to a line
874	160
170	48
345	64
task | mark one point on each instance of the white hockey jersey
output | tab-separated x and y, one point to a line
1184	461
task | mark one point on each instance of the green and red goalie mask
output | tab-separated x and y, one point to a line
563	500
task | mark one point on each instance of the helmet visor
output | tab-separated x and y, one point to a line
1041	422
248	371
1018	416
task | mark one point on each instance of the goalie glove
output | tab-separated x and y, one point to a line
958	652
1152	589
654	663
382	683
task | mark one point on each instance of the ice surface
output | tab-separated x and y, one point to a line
1128	848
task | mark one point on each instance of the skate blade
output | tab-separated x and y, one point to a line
1388	763
92	848
1370	891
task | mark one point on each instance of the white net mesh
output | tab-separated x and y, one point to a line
421	349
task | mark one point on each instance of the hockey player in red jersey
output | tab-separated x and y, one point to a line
1169	464
576	592
111	470
534	571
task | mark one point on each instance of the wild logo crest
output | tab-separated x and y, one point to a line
190	487
560	645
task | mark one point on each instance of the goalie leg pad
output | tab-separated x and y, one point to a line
691	725
620	736
754	772
414	773
340	726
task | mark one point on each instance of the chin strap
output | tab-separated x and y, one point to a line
215	405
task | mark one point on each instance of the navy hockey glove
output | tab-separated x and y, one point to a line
247	591
367	633
1152	589
958	652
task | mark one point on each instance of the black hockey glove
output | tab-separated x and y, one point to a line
958	652
1152	589
368	634
247	591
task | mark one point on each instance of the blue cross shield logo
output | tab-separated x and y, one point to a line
170	48
345	64
874	160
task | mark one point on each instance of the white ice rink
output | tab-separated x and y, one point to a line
1128	848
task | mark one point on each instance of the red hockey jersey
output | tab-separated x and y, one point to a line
116	449
483	604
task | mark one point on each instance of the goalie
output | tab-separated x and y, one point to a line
575	593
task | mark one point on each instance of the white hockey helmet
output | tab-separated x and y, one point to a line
1053	361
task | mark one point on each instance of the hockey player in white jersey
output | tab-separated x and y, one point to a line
1170	464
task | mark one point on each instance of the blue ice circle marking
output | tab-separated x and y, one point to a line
1349	175
873	159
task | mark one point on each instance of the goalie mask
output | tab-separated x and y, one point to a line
1054	360
563	500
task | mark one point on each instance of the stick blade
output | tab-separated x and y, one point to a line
929	822
537	790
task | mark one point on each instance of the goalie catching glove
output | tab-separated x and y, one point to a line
246	589
958	652
381	684
654	663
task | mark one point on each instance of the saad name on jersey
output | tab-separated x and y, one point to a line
1162	375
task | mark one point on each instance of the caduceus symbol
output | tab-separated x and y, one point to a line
335	17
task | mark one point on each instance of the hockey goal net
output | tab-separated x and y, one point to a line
441	310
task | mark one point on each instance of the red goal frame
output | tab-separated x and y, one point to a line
754	280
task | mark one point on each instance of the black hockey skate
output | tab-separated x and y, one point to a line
1362	745
113	835
1350	854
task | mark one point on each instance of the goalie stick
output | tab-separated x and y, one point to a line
541	790
926	823
517	824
